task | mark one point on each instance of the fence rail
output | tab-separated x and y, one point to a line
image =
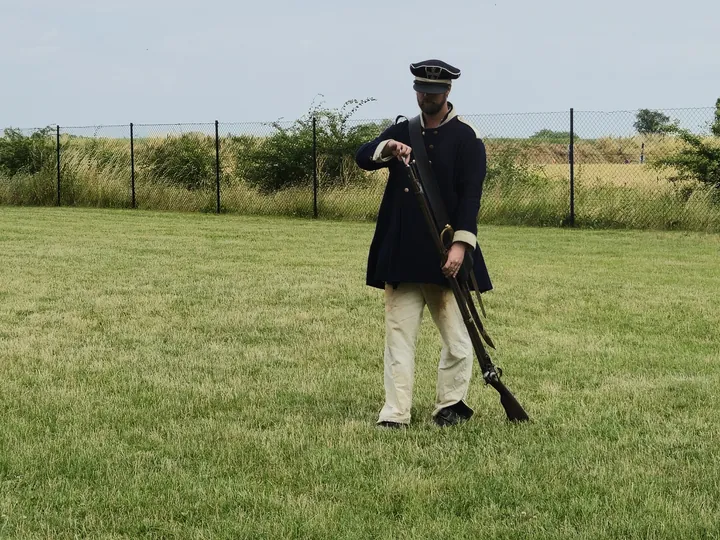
565	168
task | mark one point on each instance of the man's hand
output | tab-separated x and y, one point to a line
454	261
397	149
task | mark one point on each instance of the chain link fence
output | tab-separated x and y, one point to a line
95	166
175	167
266	169
585	168
525	154
618	183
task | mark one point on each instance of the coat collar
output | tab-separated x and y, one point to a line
449	116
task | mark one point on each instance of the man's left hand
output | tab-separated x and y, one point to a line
454	261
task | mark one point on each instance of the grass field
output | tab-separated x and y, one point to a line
199	376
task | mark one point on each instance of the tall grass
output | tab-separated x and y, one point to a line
609	150
29	189
609	192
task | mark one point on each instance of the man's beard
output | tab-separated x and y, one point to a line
432	107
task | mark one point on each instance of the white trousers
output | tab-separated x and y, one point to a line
404	308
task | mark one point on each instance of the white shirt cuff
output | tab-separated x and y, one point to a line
465	236
377	156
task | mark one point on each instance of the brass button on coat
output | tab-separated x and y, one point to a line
407	190
431	147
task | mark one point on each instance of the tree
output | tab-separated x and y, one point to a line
648	122
715	128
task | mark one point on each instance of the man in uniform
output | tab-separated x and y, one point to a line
403	259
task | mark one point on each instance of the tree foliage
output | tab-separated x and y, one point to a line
548	135
187	160
510	165
698	159
28	154
715	128
285	158
648	122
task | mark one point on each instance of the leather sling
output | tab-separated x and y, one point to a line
427	176
436	203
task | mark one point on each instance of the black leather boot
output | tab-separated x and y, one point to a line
454	414
391	425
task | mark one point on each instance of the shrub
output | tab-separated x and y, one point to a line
338	141
511	165
27	154
698	159
285	159
715	127
239	151
187	160
548	135
281	161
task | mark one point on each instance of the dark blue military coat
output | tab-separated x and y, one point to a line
402	249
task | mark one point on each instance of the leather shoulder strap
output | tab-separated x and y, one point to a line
432	192
435	201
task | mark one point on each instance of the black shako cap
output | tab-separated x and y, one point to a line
433	76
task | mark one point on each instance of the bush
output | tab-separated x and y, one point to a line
697	159
281	161
511	165
240	150
715	127
285	159
187	160
548	135
27	154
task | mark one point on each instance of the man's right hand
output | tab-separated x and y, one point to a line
397	149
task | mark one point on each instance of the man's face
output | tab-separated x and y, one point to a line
431	103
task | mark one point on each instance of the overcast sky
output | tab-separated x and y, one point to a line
82	62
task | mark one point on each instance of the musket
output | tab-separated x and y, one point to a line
491	373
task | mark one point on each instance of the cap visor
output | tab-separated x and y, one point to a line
428	88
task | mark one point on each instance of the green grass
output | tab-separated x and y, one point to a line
202	376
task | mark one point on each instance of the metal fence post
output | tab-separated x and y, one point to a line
132	165
572	167
217	166
57	146
315	179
